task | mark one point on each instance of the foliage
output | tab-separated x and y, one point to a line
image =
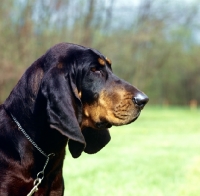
153	44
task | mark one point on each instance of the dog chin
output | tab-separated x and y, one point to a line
135	118
132	120
106	125
103	125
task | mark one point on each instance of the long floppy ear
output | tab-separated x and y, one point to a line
95	139
63	106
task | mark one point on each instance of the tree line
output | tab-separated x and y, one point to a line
153	44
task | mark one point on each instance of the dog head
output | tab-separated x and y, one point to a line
80	94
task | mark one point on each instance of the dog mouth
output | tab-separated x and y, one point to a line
103	125
138	114
135	118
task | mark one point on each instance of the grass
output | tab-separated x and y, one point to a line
158	155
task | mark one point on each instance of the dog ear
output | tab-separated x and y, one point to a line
95	139
63	107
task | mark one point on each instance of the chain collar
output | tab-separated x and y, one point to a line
40	174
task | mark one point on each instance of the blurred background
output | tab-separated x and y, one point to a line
154	44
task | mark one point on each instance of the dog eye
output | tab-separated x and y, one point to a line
93	69
96	71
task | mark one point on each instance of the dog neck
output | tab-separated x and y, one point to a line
37	158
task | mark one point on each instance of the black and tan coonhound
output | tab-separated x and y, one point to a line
68	96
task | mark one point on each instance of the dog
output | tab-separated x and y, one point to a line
69	96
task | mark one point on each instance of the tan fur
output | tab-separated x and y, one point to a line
80	94
115	106
101	62
109	61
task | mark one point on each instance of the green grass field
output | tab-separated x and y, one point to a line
158	155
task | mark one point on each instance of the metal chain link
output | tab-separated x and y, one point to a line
40	175
29	138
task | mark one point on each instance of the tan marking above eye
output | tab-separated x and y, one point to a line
101	61
108	60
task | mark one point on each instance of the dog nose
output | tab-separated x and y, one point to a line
140	100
